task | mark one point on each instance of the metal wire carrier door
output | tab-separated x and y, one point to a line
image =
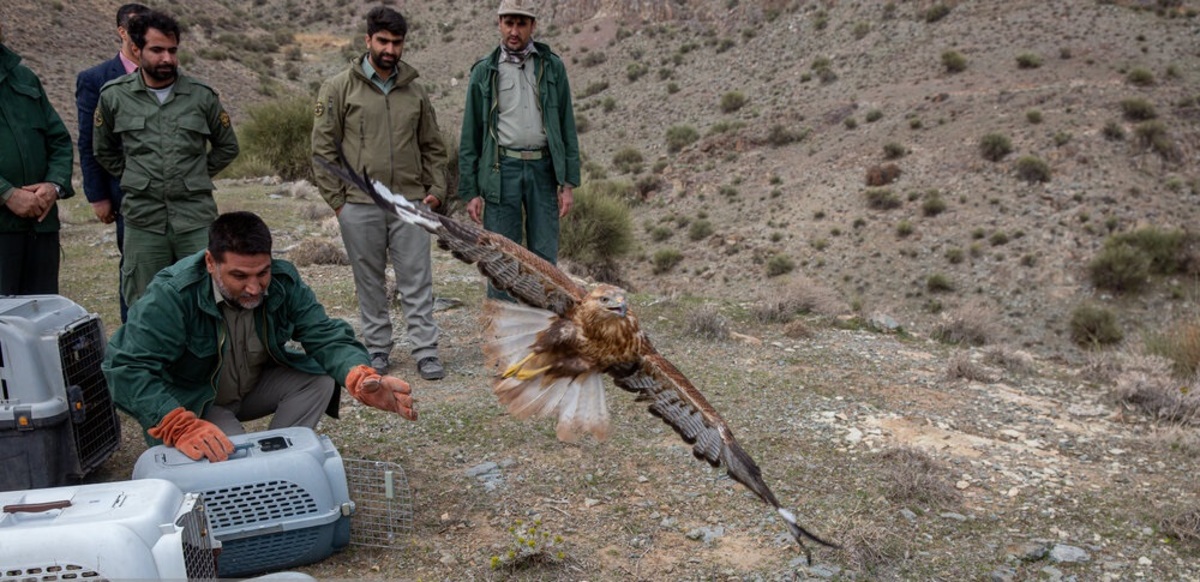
383	508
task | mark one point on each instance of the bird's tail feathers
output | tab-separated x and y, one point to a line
578	401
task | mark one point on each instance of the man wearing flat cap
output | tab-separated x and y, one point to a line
519	152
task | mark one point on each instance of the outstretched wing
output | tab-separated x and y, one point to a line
508	265
677	402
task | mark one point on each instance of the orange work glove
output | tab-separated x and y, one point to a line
382	392
194	437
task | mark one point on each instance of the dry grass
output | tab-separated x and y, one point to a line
798	329
799	296
961	366
316	211
1184	526
972	324
707	322
911	476
1014	361
314	251
1160	396
868	546
1181	345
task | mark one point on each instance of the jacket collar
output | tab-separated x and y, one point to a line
405	73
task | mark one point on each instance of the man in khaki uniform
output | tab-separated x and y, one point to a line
384	123
152	130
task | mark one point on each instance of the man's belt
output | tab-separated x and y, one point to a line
525	154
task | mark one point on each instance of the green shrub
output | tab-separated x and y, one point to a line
661	233
1113	131
593	59
593	88
955	256
700	230
882	199
732	101
1033	116
780	135
665	259
279	133
1093	326
874	115
1120	268
998	238
599	230
1138	109
1062	138
780	264
954	62
635	71
933	204
1153	135
1166	250
1140	77
1032	169
936	12
938	283
893	150
904	228
628	160
1028	61
672	88
681	136
994	146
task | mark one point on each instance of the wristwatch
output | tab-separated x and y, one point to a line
58	190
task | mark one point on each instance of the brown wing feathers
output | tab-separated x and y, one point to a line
683	408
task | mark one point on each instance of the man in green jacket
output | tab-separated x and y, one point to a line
152	130
383	121
205	348
35	172
518	159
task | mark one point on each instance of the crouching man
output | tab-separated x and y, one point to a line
204	348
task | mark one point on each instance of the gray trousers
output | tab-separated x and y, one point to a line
371	236
296	398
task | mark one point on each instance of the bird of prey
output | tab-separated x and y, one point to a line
551	350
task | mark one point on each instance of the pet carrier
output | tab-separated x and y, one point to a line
57	420
143	530
281	500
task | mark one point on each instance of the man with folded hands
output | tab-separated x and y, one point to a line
205	348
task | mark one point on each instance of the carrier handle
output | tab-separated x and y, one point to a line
37	507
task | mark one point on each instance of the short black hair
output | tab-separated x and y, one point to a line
159	21
239	232
384	18
128	11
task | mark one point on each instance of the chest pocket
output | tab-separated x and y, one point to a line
198	362
28	110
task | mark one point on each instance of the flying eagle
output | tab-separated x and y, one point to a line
550	352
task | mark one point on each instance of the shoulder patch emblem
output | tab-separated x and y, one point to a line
97	118
319	110
224	119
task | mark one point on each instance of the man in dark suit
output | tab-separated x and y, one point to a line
102	189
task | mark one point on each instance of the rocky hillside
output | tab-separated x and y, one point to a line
791	103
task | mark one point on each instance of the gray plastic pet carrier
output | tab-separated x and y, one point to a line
57	420
283	498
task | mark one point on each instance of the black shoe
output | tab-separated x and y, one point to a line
379	361
431	368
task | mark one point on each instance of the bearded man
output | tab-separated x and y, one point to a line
205	349
378	115
164	135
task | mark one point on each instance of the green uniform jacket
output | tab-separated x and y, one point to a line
478	154
160	152
169	354
34	144
394	137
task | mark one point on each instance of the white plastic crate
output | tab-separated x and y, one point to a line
126	530
57	419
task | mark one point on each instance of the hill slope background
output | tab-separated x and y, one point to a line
853	84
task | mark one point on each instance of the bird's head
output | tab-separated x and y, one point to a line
610	300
